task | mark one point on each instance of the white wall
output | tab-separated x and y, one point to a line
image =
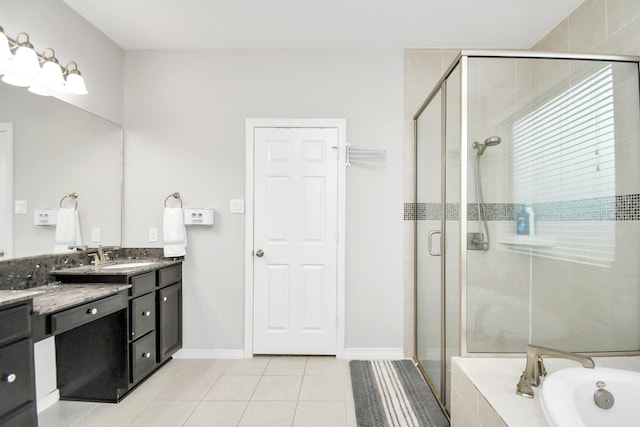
184	131
51	23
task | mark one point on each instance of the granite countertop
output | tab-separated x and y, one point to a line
51	298
9	296
117	267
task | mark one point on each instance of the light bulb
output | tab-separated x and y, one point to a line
75	82
24	68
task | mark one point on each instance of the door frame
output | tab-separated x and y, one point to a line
250	126
7	203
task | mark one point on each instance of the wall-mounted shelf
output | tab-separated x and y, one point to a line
529	241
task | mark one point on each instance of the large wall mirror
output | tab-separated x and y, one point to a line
58	149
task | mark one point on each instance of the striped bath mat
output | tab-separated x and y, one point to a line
393	394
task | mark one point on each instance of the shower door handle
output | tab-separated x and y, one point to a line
430	242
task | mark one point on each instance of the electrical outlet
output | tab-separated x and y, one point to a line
153	234
95	234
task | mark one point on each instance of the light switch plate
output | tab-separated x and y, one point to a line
21	206
236	206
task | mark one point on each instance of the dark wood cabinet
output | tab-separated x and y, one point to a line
156	319
151	331
169	321
17	378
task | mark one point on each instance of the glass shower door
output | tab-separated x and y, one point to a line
429	247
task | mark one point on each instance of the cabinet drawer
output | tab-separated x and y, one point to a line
15	323
143	356
143	315
143	283
16	375
169	275
74	317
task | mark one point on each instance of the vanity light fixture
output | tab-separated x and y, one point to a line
50	75
75	82
22	66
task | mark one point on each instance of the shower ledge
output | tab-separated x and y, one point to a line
529	241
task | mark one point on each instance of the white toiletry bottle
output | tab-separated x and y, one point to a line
532	222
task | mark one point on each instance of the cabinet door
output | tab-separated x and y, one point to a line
169	321
17	384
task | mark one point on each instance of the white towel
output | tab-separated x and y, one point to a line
67	230
175	233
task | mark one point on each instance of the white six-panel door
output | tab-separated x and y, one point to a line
295	232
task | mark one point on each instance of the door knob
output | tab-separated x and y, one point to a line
259	253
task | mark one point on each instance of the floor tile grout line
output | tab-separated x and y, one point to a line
339	373
295	409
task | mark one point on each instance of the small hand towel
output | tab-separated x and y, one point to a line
175	233
67	230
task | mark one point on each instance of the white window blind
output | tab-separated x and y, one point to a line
564	166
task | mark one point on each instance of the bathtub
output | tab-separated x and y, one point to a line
580	397
483	391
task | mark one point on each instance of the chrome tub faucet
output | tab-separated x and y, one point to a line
535	370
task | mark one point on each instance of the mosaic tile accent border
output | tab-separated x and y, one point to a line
618	208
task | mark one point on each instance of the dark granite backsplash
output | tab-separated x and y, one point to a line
29	272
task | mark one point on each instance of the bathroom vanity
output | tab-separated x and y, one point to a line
130	334
17	378
104	329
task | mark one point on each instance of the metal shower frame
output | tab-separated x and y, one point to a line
441	88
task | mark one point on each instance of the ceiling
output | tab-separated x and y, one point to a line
211	24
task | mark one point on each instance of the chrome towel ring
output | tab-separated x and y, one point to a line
175	195
73	196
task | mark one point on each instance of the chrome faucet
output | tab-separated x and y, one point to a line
101	254
535	370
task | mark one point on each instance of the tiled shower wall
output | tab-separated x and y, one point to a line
598	26
607	299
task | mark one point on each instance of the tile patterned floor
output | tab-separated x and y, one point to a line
263	391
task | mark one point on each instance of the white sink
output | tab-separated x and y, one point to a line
568	397
127	265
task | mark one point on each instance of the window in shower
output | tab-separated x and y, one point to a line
564	167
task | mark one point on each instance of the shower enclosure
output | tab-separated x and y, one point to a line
527	208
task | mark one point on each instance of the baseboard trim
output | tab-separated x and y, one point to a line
194	353
374	353
48	401
363	353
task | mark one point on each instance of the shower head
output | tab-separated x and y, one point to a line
492	140
489	142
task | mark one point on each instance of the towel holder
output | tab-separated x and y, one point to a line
365	156
175	195
73	196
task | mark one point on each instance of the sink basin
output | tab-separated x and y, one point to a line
127	265
573	397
